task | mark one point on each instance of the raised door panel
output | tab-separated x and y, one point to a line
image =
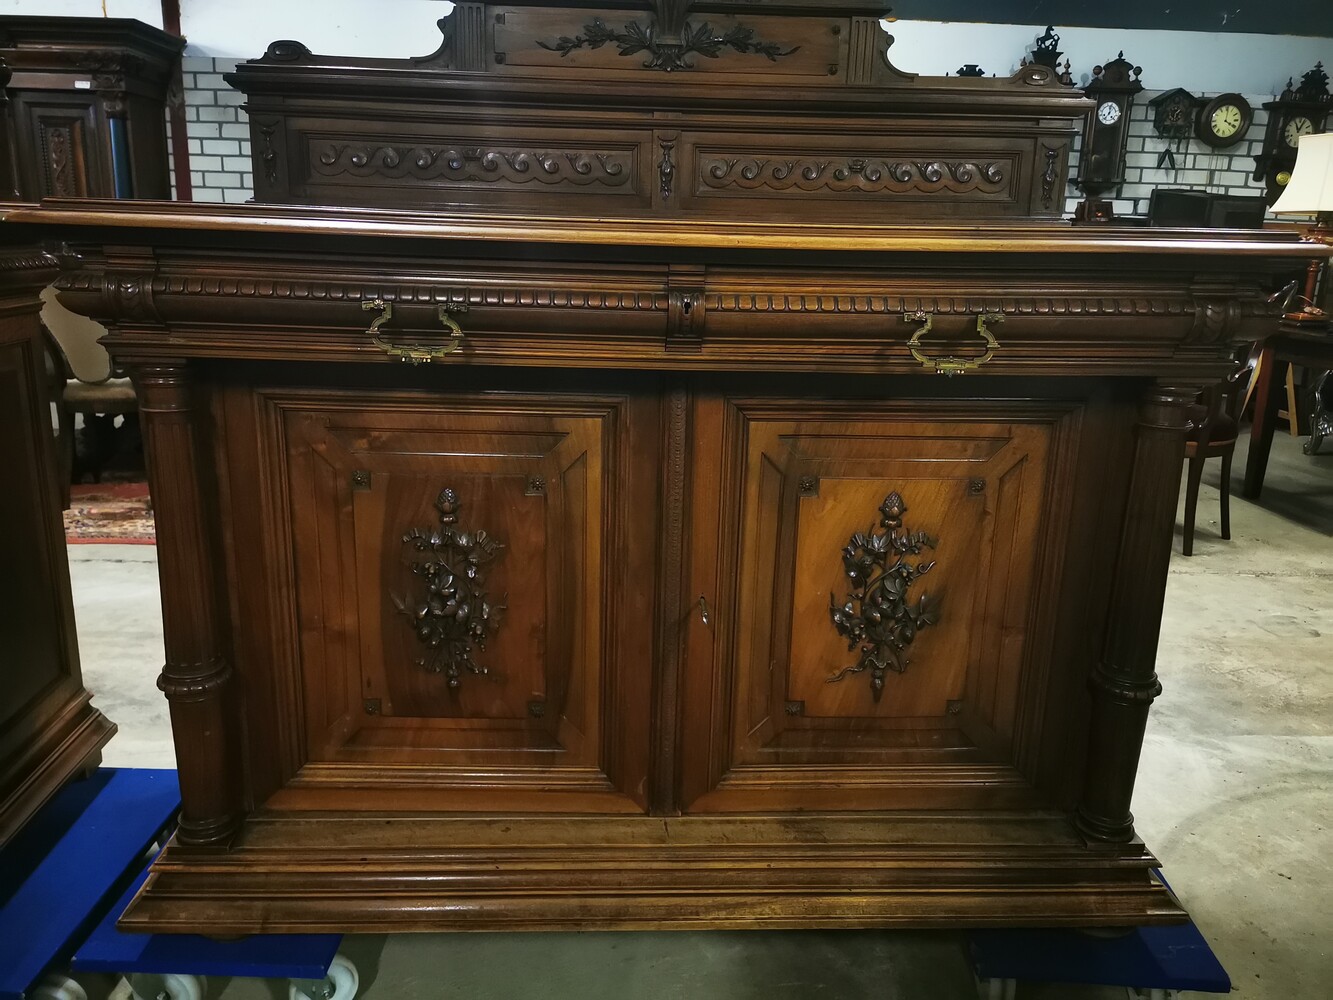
877	579
461	616
60	152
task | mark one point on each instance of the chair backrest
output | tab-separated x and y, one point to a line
1218	402
78	336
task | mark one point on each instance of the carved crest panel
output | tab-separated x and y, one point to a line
672	39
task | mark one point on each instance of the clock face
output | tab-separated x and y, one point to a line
1225	121
1108	113
1298	126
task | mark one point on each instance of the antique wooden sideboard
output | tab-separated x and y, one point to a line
49	731
673	505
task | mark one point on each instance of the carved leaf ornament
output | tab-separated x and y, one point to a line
880	618
451	614
663	49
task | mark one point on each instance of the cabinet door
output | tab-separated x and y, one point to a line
60	151
875	567
468	581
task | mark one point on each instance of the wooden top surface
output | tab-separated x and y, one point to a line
63	215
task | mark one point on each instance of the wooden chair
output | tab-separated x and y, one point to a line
100	403
1212	433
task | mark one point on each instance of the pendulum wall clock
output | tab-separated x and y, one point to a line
1300	110
1105	130
1173	121
1224	121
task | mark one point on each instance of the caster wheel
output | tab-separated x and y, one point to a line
341	983
168	987
57	987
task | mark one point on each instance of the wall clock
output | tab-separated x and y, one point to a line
1102	159
1173	120
1224	121
1298	110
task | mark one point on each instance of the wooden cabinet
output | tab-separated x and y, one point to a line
84	103
49	731
749	546
580	626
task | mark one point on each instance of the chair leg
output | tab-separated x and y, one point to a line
1226	493
1192	501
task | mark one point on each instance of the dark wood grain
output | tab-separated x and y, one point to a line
49	732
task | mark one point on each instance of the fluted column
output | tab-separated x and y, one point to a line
1124	682
197	676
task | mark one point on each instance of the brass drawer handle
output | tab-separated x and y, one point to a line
415	354
953	365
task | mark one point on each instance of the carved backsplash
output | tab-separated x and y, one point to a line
676	109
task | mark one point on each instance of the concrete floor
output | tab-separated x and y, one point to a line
1235	794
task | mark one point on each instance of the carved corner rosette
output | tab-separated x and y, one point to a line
879	618
451	614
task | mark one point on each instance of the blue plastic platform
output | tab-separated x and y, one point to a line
264	956
67	877
1174	957
70	861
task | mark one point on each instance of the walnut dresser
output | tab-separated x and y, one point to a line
694	480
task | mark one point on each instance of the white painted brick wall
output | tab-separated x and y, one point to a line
217	131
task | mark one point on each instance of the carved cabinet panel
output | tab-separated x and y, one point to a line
59	154
876	576
461	602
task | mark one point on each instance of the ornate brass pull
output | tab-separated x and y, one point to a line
952	365
415	354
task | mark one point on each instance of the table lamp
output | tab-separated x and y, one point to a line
1310	192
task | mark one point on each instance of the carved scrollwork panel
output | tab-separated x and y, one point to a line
880	618
451	613
612	168
838	175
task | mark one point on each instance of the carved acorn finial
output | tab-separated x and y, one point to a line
447	505
892	510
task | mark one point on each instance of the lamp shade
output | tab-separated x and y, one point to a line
1310	190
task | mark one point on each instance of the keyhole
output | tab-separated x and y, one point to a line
688	306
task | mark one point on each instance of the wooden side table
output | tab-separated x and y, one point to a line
1305	344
